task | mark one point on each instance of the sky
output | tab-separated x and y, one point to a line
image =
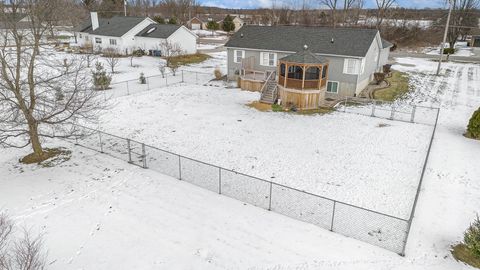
268	3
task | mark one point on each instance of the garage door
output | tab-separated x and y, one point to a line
195	26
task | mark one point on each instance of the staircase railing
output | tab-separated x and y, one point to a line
269	78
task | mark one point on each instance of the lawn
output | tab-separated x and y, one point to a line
399	86
189	59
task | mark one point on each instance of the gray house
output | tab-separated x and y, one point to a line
352	56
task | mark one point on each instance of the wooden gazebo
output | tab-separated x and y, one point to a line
302	80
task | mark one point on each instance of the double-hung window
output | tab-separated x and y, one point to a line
351	66
238	55
113	41
98	40
332	87
268	59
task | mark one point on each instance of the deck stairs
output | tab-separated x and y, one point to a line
269	90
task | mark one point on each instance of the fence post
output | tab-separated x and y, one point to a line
414	109
144	156
100	140
128	90
219	180
182	76
393	113
345	105
270	198
129	151
179	168
333	215
373	108
148	83
76	140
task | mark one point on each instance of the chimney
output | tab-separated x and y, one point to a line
94	17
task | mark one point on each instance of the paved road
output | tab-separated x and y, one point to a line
467	59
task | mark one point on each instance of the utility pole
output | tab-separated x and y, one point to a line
450	2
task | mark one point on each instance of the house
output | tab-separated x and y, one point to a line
200	22
349	56
238	23
195	24
21	23
126	34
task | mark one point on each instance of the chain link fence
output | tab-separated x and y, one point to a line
131	87
396	111
370	226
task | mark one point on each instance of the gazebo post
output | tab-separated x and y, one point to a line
320	72
304	67
286	75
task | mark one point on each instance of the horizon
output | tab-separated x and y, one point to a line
251	4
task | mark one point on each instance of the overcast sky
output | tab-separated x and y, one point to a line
268	3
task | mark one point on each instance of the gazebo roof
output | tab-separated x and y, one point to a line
305	57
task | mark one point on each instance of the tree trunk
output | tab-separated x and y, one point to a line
34	139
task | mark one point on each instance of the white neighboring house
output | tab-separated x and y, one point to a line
126	34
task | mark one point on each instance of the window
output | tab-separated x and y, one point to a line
98	40
113	41
351	66
238	56
324	72
268	59
295	72
312	73
332	87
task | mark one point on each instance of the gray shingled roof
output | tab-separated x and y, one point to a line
346	41
304	57
386	44
160	30
116	26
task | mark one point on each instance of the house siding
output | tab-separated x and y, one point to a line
347	82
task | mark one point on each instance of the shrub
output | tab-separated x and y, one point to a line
142	78
379	77
213	25
387	69
473	128
218	74
228	25
138	53
472	238
172	20
448	51
159	19
101	80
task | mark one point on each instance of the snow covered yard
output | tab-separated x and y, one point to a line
369	162
101	213
95	203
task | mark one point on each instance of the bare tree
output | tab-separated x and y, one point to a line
462	19
25	253
112	57
162	68
382	7
333	6
38	91
181	9
169	50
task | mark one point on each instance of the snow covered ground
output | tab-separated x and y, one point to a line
461	49
94	202
339	156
